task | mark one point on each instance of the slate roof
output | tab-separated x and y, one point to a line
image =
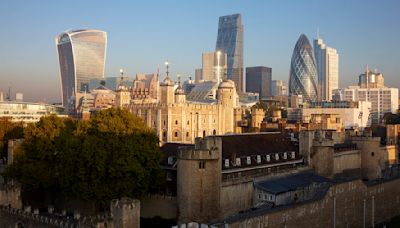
256	144
290	183
171	149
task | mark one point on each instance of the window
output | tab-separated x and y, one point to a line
285	155
169	176
277	157
204	134
238	162
188	122
372	154
164	122
248	160
187	134
214	132
176	122
170	160
268	158
164	134
176	134
258	159
227	163
202	164
293	154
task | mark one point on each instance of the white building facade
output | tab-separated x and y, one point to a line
327	61
383	100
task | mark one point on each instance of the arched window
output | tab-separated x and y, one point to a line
176	122
204	134
214	132
176	134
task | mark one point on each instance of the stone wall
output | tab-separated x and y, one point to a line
159	205
346	204
235	197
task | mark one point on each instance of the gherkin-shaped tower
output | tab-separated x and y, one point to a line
303	73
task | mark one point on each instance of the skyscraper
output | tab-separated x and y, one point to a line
303	73
81	55
327	62
258	80
230	41
214	64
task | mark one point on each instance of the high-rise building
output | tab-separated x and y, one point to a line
327	62
278	88
258	80
81	55
303	73
230	41
214	64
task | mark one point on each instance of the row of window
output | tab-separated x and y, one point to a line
258	158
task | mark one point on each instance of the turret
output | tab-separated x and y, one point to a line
167	89
180	96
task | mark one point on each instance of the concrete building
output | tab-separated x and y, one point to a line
258	80
214	64
81	55
279	88
230	41
353	114
198	75
383	100
327	63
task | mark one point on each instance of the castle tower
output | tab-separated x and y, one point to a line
199	181
227	101
123	96
180	96
125	212
167	89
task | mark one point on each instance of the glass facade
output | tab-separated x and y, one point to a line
230	41
27	112
303	74
81	55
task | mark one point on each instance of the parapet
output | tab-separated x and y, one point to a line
208	148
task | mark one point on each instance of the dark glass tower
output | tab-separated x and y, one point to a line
81	55
230	41
303	73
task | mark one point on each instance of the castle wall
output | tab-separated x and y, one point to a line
347	204
157	205
236	197
346	160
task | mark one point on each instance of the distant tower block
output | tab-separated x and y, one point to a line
125	212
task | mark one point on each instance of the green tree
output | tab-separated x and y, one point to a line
111	155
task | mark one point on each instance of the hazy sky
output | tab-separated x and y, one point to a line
142	35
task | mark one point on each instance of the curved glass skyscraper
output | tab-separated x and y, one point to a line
81	55
303	73
230	41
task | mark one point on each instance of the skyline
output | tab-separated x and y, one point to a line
141	36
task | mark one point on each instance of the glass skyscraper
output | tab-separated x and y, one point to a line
81	55
303	73
230	41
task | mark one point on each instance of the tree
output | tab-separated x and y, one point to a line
111	155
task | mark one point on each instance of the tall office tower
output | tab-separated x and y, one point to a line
303	73
258	80
81	55
214	64
278	88
327	62
230	41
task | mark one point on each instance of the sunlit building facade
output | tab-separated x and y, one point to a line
327	62
27	112
303	73
230	41
81	55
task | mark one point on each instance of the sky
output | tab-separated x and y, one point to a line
143	34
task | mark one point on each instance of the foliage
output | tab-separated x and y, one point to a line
111	155
8	130
390	118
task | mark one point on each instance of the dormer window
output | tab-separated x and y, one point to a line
258	159
238	162
248	160
226	163
268	158
277	157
